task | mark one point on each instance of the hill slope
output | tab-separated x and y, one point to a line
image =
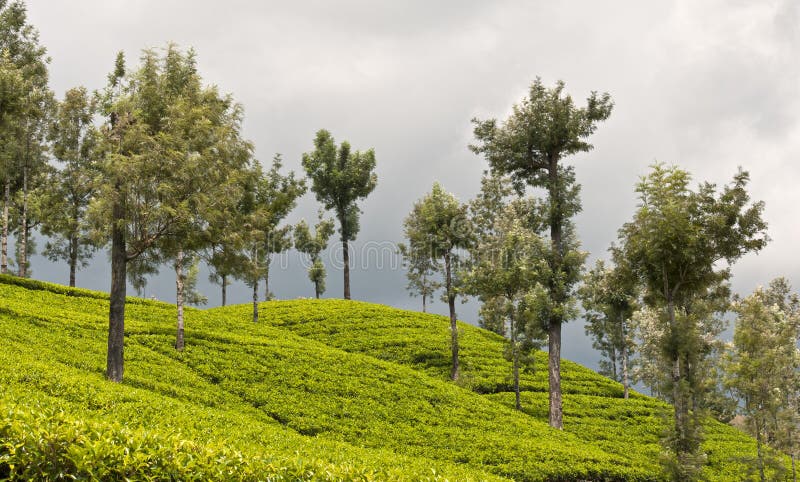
328	390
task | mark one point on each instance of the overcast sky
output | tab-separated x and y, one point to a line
706	85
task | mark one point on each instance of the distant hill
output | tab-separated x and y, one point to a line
319	389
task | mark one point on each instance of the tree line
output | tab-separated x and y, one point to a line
655	309
154	167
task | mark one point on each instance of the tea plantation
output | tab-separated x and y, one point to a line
319	390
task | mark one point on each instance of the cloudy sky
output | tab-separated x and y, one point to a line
706	85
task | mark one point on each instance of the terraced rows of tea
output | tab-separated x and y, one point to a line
319	390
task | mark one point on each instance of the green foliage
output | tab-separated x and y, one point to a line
339	178
300	397
673	245
313	245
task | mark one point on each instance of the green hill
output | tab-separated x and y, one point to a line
325	390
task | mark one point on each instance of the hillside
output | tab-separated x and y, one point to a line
326	390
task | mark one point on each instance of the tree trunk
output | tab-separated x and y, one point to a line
759	452
73	259
625	379
346	255
316	288
255	302
4	240
424	300
267	296
224	289
554	371
794	471
515	355
179	284
451	303
116	313
554	323
23	244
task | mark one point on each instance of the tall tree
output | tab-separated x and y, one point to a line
673	245
269	197
610	297
439	225
74	139
764	366
507	271
530	146
23	81
312	245
154	178
339	178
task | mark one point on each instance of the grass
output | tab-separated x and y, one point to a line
322	390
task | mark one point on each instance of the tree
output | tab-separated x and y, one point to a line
23	84
74	139
159	168
609	296
269	197
312	246
420	271
339	178
673	244
439	225
530	146
507	272
763	365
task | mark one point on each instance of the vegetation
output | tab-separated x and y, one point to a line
265	398
530	146
339	178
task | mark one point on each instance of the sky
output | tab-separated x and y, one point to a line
708	86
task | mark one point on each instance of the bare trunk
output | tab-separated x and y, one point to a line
554	371
424	303
116	313
517	402
554	323
794	471
73	259
255	302
625	378
760	452
267	296
224	289
4	240
316	289
451	303
179	284
346	255
23	232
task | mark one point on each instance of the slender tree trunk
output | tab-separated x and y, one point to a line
624	349
554	325
116	313
346	254
73	259
794	471
255	302
316	288
451	303
424	303
613	357
224	289
4	240
179	284
267	296
23	244
759	451
515	360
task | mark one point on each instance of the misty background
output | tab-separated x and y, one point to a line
708	86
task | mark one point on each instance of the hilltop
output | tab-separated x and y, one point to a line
320	389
